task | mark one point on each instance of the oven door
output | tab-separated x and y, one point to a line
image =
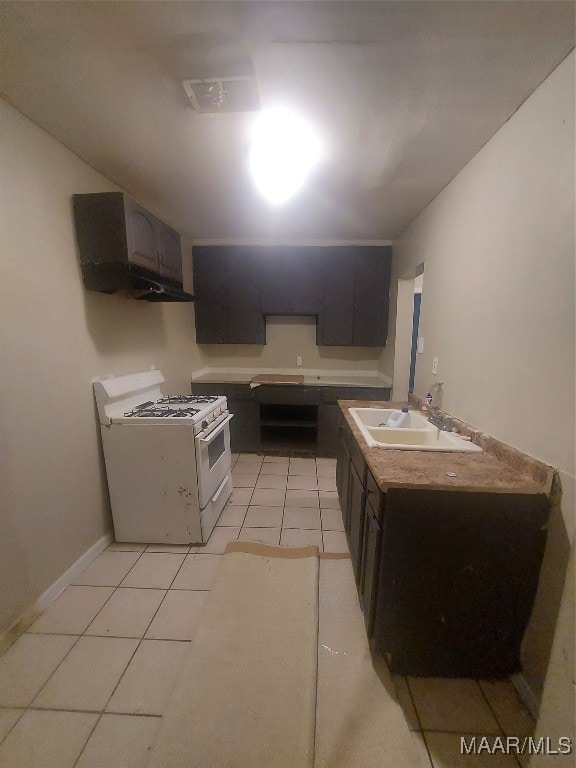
213	458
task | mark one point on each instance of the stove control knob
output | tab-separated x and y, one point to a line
204	424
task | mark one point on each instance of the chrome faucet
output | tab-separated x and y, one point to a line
438	419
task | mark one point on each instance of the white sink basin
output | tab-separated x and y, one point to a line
420	436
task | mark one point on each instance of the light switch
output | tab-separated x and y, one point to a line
435	365
420	344
298	360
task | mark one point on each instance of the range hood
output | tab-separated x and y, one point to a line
132	282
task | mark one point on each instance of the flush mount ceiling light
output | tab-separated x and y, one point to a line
284	150
223	94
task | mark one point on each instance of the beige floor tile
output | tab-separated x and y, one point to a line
326	470
263	517
148	682
198	572
331	520
297	537
46	740
329	500
267	497
154	571
274	469
120	741
277	482
276	460
511	714
217	541
302	467
263	535
88	675
119	546
446	752
326	461
240	497
128	613
174	549
232	516
108	569
234	456
248	466
302	483
8	719
451	705
405	700
178	616
256	457
326	483
301	517
302	499
243	480
335	541
73	611
28	664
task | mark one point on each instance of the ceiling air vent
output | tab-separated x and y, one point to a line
223	94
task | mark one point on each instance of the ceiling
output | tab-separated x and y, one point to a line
402	94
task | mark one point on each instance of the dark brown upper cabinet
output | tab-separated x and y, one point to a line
355	296
345	287
227	283
123	247
291	278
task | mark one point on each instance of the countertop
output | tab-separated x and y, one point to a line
427	470
319	379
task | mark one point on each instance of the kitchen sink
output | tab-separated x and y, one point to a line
420	436
377	417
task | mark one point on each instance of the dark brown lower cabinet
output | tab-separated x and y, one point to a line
371	551
356	502
244	427
446	579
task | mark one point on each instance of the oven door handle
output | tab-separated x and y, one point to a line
216	432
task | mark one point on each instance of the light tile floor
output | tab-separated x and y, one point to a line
86	685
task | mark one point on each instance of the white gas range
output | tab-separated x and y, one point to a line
168	460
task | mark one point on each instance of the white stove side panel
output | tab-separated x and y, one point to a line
151	472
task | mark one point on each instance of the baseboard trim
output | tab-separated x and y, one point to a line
31	613
526	694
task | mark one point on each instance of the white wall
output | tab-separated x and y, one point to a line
55	338
497	245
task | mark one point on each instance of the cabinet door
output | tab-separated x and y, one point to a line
356	501
170	252
343	465
246	322
372	545
371	297
290	280
245	426
336	319
211	290
328	420
140	224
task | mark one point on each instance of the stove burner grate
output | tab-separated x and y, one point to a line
161	412
187	399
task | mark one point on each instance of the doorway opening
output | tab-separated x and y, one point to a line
409	342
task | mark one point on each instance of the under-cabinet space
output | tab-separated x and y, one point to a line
283	425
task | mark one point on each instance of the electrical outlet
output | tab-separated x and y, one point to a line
435	365
298	360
